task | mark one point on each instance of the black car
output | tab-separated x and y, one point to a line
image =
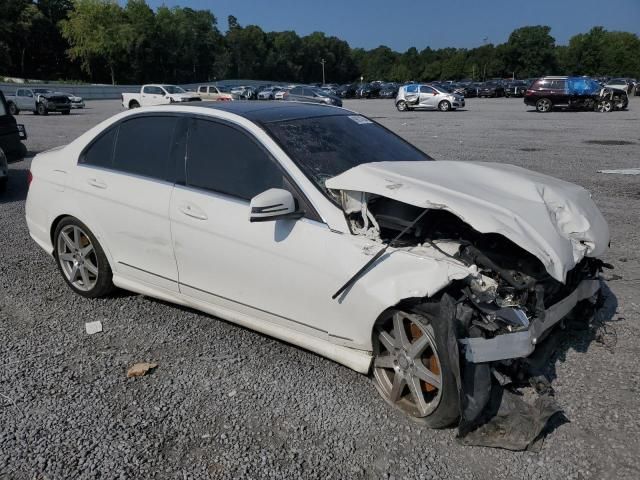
517	88
471	90
368	90
491	89
11	134
389	90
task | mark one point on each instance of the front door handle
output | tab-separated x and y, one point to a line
94	182
193	211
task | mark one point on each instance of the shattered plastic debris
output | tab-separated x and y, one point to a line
93	327
623	171
140	369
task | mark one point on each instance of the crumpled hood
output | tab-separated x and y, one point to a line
556	221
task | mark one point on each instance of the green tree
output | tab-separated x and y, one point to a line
530	51
98	31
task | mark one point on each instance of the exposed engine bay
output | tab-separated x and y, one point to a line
508	290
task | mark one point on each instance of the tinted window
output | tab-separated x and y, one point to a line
296	91
424	89
100	152
153	90
324	147
223	159
143	146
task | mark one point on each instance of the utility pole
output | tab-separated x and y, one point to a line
323	61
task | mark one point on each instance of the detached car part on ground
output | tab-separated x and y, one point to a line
438	278
428	97
574	93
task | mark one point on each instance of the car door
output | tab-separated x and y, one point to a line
280	271
152	96
25	99
124	183
428	97
559	92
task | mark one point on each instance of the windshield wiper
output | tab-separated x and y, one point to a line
362	271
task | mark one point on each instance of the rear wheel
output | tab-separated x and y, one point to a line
544	105
402	106
41	109
444	106
411	369
134	104
81	260
13	109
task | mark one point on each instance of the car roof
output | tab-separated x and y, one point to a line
274	111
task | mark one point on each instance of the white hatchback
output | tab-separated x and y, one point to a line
320	227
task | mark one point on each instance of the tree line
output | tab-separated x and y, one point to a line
101	41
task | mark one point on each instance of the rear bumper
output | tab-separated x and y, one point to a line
522	344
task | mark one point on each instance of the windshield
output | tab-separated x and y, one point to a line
174	89
324	147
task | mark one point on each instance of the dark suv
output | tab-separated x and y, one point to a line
11	134
578	93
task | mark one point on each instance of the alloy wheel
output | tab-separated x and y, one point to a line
407	368
77	257
543	105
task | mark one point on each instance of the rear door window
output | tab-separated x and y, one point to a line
223	159
143	146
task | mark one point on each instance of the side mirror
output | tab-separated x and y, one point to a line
273	204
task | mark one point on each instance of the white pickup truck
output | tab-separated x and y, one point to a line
158	94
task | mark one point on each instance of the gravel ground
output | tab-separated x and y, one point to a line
226	402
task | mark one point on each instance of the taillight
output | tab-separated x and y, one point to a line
529	92
29	178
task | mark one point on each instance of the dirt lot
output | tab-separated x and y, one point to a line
226	402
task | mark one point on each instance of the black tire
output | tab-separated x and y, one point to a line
134	104
442	404
444	106
41	109
13	108
544	105
104	281
66	112
402	106
3	184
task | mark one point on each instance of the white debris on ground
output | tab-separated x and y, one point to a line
623	171
93	327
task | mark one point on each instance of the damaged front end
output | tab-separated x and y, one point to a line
510	301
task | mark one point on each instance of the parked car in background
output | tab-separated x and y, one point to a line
76	101
347	90
389	90
244	92
280	94
212	92
262	214
428	97
311	94
40	101
269	93
516	88
491	89
625	84
368	90
472	89
158	94
576	93
11	137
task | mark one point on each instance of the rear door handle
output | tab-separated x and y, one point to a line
94	182
193	211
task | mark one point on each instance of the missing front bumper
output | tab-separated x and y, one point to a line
522	344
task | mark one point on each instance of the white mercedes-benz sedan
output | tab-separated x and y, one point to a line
318	226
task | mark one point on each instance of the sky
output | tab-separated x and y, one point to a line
422	23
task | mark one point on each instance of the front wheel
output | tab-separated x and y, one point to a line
444	106
411	368
13	109
41	109
605	106
544	105
81	260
